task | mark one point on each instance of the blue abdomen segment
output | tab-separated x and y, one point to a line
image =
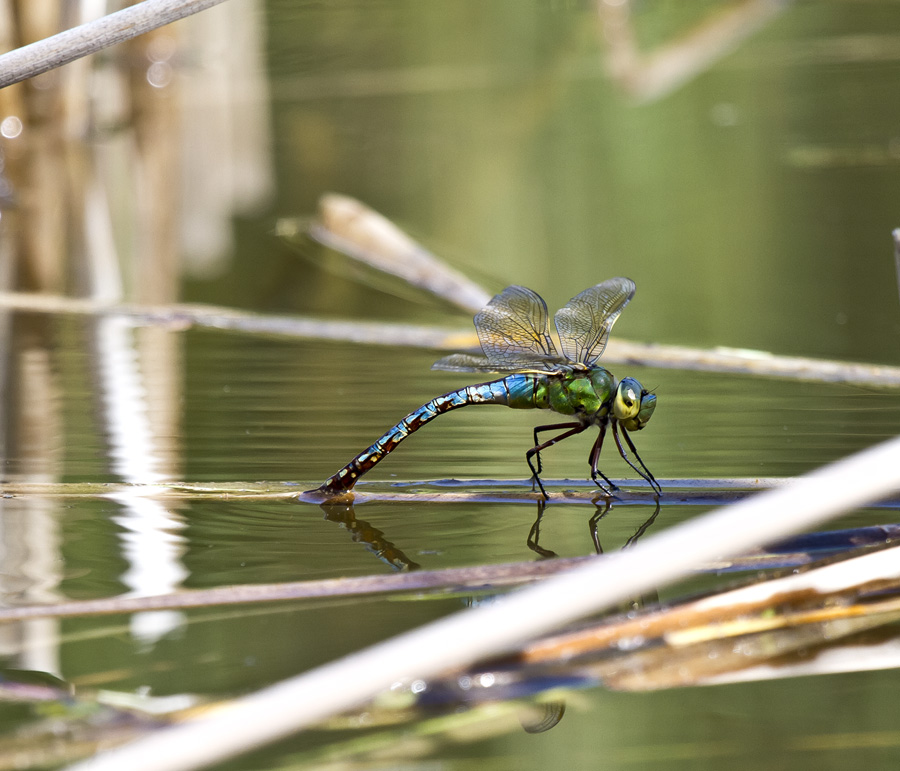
526	392
514	391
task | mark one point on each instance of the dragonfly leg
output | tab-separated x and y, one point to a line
574	428
594	459
643	470
594	521
549	427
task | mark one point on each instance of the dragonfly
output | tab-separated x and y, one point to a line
515	340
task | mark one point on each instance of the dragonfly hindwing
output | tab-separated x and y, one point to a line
513	329
586	320
464	362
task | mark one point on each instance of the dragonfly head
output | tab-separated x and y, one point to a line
633	404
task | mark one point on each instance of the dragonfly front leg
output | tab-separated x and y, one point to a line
574	428
643	471
594	459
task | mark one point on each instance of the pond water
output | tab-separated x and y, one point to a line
753	206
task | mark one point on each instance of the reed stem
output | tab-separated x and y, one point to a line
57	50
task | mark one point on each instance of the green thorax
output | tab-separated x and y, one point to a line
572	391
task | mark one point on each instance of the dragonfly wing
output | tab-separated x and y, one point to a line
464	362
513	330
586	320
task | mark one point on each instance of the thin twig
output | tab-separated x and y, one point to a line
695	491
741	361
452	579
351	227
747	608
792	553
677	492
182	315
225	491
730	360
652	76
55	51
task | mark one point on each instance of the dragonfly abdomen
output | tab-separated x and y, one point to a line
521	391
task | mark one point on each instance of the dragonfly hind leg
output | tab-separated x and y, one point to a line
643	470
574	428
594	459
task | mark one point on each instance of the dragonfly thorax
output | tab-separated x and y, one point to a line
593	395
583	392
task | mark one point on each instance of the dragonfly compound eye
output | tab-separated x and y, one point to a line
648	404
627	403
